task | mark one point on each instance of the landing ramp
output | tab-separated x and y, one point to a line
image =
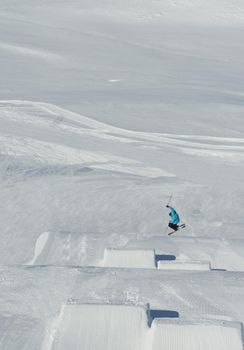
225	336
184	265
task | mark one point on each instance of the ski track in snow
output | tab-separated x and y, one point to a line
34	52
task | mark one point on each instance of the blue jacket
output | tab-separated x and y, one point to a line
174	218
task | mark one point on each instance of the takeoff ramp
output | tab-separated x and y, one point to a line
202	336
146	258
184	265
102	327
130	258
126	327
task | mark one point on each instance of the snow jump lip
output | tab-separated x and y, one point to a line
146	258
118	326
129	257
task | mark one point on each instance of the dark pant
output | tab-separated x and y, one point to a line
173	226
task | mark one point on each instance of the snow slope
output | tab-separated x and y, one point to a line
65	159
107	109
149	66
63	209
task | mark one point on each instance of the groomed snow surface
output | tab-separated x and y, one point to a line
135	258
198	303
107	110
118	327
146	258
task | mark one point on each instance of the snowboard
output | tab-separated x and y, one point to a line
180	227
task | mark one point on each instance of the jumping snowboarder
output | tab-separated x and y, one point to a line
174	220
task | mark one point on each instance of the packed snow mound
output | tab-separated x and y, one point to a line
184	265
202	336
185	252
146	258
109	327
76	249
134	258
100	327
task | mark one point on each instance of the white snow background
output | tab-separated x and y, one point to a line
106	109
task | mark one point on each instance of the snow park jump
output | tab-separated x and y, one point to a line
119	327
146	258
134	258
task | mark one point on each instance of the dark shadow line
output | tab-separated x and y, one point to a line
152	314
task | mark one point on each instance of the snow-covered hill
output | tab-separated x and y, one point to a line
145	65
107	109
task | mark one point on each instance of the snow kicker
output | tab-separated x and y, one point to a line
146	258
131	258
119	327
